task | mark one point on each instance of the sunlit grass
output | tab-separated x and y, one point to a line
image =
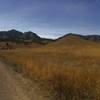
69	72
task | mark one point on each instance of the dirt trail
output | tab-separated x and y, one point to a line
14	87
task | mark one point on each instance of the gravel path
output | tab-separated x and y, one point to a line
14	87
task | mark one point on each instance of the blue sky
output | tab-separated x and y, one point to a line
51	18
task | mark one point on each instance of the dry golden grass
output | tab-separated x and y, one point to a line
69	72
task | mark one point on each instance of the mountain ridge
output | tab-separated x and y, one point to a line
17	36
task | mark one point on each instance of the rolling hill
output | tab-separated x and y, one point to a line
73	39
71	42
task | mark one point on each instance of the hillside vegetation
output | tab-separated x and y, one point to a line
68	68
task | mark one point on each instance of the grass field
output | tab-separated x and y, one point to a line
70	70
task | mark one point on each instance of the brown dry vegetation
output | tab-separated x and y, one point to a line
69	68
14	45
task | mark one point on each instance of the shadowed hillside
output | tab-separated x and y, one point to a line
17	36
